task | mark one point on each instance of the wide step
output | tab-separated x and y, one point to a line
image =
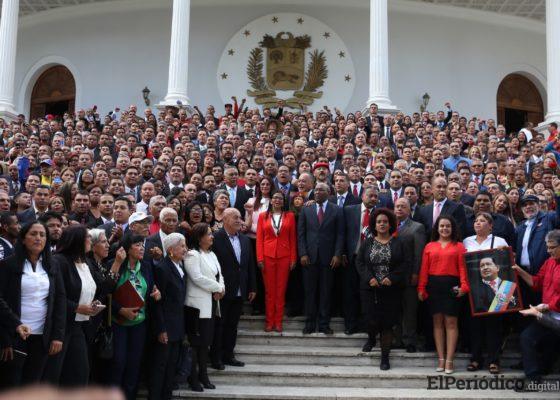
228	392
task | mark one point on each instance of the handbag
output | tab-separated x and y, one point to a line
104	339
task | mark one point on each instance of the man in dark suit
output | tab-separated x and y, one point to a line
237	261
168	223
342	196
9	230
40	204
414	239
168	315
373	118
238	195
356	220
441	206
395	190
320	245
485	291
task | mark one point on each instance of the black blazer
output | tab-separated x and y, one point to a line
73	284
151	242
168	312
11	271
27	216
349	200
321	242
398	266
236	275
8	319
450	208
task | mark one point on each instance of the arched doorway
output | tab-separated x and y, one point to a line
519	102
54	93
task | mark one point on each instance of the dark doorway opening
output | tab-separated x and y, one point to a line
57	108
515	119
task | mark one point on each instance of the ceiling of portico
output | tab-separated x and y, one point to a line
532	9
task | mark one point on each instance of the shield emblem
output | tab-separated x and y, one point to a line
285	62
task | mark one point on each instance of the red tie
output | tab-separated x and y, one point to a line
437	211
395	197
355	190
320	214
365	223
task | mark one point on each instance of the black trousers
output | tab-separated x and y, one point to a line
490	330
539	347
25	369
199	365
318	281
164	365
294	292
350	295
405	332
70	367
225	335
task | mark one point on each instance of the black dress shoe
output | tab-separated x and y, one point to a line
208	385
234	362
308	330
218	366
196	387
368	346
411	348
326	331
384	366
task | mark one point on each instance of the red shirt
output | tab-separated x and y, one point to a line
547	281
154	227
439	260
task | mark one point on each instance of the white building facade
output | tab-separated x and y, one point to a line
389	52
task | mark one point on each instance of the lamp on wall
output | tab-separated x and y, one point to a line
146	95
425	101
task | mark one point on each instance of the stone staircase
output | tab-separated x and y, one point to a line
304	367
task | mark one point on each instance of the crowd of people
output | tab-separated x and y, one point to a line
298	213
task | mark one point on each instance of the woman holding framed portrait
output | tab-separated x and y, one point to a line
486	328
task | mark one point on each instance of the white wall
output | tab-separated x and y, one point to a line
119	53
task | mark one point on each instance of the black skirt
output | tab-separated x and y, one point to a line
382	306
441	298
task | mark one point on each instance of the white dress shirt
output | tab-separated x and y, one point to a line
525	260
179	269
34	295
88	289
162	235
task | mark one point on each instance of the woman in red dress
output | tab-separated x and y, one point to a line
443	280
276	257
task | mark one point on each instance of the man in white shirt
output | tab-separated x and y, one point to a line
147	191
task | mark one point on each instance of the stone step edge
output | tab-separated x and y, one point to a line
335	393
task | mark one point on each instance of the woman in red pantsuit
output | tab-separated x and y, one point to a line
276	257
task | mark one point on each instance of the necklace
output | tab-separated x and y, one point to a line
277	226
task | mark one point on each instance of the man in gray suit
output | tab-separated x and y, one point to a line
320	245
414	238
356	219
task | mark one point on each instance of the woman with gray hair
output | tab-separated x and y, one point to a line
97	260
168	314
221	202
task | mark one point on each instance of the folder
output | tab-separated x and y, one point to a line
127	296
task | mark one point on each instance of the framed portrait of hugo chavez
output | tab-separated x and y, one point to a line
494	285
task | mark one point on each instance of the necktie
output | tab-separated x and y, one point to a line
355	190
437	211
320	214
232	197
284	190
365	223
395	197
494	286
251	193
341	201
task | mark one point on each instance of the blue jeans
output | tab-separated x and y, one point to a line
128	344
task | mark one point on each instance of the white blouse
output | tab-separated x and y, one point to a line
471	244
88	289
34	295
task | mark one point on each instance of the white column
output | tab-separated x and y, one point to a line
8	42
379	56
553	60
179	55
